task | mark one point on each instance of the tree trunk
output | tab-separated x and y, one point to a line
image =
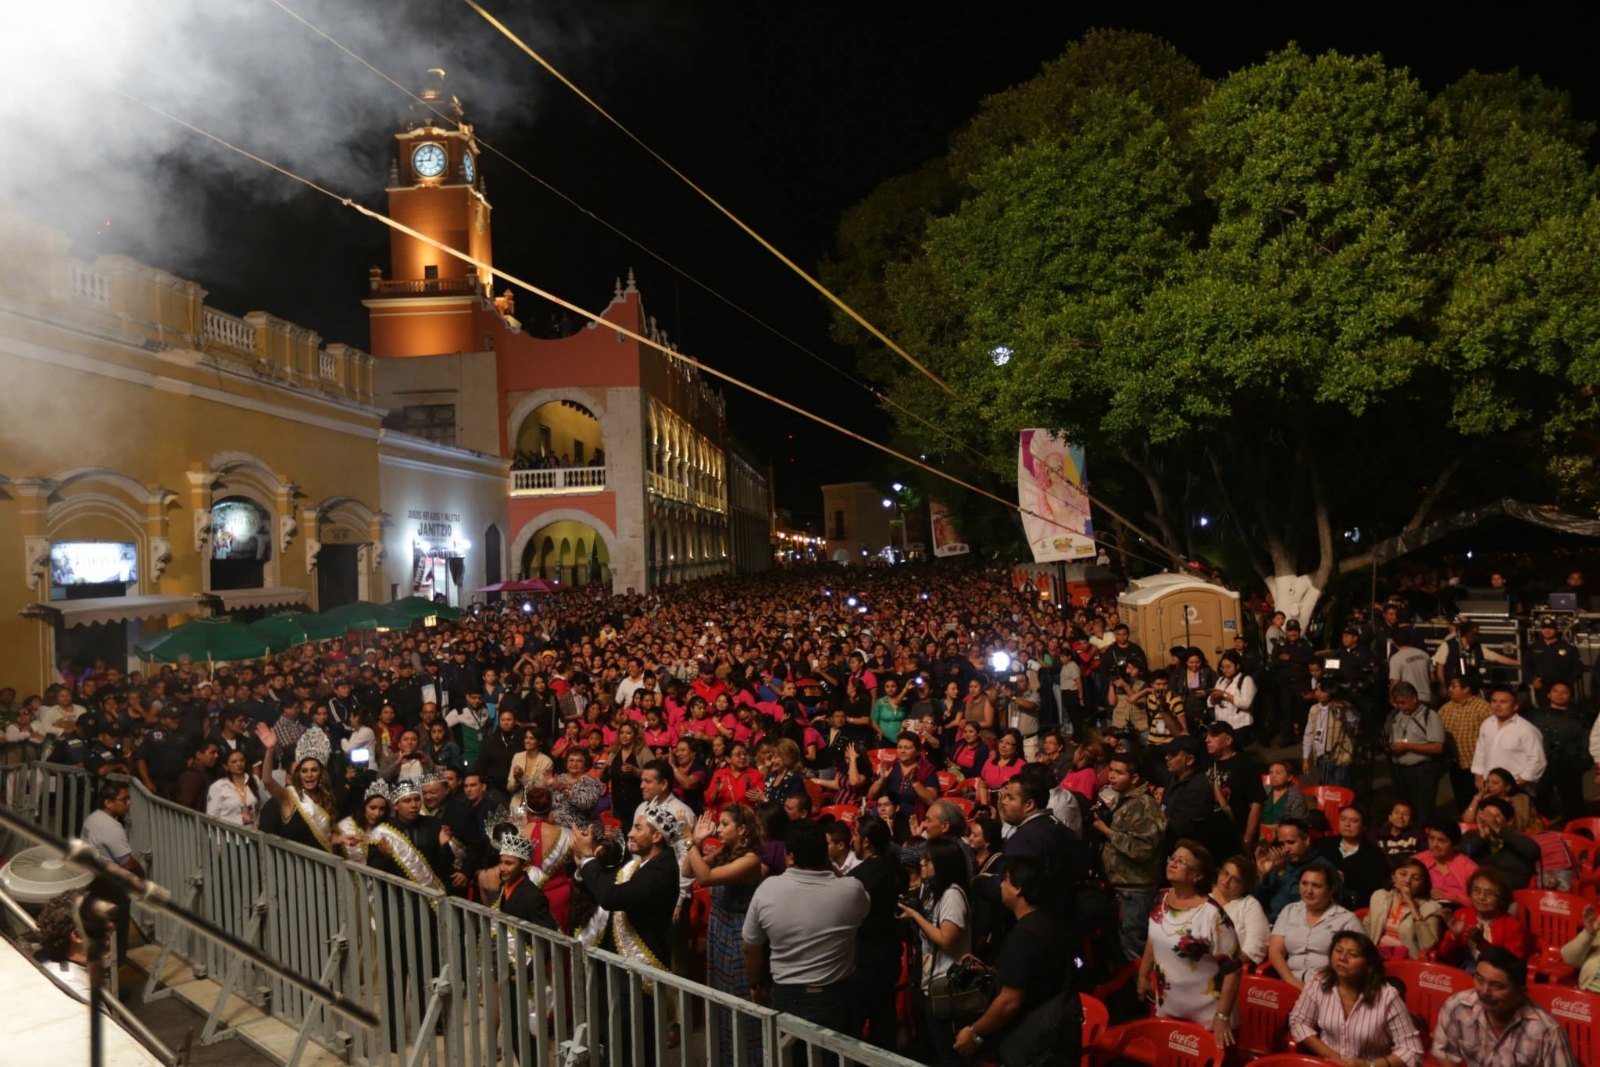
1295	595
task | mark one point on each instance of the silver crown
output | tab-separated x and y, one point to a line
404	787
516	845
314	744
665	823
432	778
379	788
496	816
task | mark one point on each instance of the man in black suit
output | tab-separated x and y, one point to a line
643	891
1035	833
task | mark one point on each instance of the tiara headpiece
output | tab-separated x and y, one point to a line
516	845
313	744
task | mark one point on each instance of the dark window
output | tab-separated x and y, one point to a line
431	272
838	524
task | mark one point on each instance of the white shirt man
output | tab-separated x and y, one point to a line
657	789
629	685
51	716
1508	740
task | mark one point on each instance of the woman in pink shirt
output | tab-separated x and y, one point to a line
657	734
700	723
970	752
1084	778
1003	766
1450	871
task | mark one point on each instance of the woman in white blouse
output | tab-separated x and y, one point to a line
530	766
1304	932
236	796
1231	699
1235	880
361	736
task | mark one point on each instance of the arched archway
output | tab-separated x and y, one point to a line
565	428
493	555
552	539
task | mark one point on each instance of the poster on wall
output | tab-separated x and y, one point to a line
1055	509
93	562
240	529
947	539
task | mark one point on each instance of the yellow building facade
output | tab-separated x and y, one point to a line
160	458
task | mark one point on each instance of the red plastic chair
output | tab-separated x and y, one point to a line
1578	1013
845	813
1553	919
1268	832
814	791
1589	828
1428	986
881	758
1095	1020
1158	1043
610	820
947	781
964	804
1264	1007
1330	798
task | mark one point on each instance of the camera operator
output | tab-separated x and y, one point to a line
1018	708
1132	826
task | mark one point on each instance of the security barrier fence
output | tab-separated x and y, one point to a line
452	982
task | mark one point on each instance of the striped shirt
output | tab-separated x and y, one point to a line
1533	1039
1369	1032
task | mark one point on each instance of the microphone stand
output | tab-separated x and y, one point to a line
115	886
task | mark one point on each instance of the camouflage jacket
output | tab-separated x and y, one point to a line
1137	825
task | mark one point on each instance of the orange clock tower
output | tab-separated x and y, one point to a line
425	306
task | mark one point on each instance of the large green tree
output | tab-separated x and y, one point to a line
1305	298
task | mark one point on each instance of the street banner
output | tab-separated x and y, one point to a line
1055	509
946	538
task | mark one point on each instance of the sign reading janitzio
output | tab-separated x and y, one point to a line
434	525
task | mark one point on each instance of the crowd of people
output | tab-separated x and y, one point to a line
813	787
549	461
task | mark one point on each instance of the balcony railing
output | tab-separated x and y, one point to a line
230	331
426	287
558	482
89	283
662	485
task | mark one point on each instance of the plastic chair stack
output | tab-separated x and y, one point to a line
1553	919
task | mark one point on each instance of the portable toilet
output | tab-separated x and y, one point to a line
1164	610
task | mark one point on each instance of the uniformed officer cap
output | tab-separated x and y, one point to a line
1548	622
1292	624
1353	631
168	711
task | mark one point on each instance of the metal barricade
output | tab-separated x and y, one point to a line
635	1008
517	991
396	932
805	1044
310	897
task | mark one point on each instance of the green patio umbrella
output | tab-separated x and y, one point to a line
361	615
408	611
297	627
206	640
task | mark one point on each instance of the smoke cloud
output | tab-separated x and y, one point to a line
249	72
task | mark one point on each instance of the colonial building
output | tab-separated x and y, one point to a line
163	458
620	455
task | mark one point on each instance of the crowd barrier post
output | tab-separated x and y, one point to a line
516	987
310	930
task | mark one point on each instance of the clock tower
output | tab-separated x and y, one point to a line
425	306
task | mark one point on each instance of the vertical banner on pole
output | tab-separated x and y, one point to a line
1055	509
946	538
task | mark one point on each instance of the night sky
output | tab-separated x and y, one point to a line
789	115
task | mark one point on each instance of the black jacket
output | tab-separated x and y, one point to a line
648	900
527	902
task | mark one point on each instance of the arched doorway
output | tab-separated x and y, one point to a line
493	551
568	551
241	543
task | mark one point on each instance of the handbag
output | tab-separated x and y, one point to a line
960	993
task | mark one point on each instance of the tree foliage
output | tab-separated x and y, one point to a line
1305	295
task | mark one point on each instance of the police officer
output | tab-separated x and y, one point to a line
340	707
406	696
191	713
1551	658
163	755
1291	669
105	754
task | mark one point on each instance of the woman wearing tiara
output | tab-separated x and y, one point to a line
354	830
306	804
551	866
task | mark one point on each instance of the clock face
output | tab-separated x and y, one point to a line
429	160
469	169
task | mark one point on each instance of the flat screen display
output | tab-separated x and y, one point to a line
93	562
